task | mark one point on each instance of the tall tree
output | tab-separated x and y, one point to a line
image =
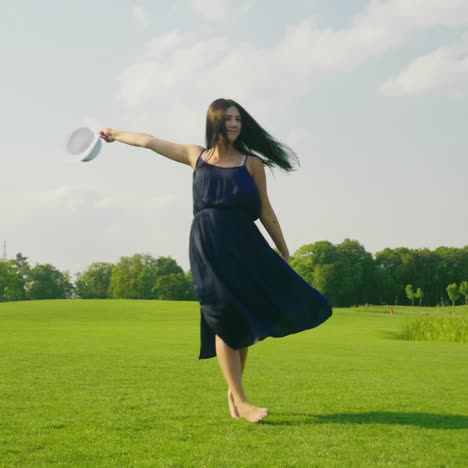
464	290
410	294
134	277
316	264
11	288
453	292
390	272
167	266
13	278
23	272
452	268
309	256
425	275
356	269
47	282
191	293
174	286
94	282
419	295
344	273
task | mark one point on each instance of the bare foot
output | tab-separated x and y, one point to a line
232	406
250	412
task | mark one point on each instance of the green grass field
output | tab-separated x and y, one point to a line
118	383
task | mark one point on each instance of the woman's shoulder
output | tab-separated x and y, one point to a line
255	165
195	155
256	160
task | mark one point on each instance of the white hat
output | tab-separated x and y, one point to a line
84	144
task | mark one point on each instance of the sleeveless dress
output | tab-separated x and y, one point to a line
247	292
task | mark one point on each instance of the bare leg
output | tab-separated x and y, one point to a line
230	362
243	355
232	406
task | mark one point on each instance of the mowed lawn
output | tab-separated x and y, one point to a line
118	383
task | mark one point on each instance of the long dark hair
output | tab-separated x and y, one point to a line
253	139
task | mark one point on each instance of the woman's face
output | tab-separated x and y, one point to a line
233	123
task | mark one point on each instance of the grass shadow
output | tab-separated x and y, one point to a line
426	420
390	335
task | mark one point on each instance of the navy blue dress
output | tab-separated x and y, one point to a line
247	292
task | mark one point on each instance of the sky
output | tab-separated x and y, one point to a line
370	94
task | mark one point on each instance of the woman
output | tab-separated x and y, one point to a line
247	291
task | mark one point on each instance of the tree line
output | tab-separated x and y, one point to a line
345	273
349	275
137	277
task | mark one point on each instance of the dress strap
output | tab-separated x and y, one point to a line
199	161
244	160
202	156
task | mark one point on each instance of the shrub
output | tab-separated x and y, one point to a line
437	328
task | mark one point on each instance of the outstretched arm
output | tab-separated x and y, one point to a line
185	154
267	215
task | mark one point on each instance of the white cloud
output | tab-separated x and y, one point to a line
75	206
416	13
212	10
139	14
444	70
84	225
180	75
422	13
164	43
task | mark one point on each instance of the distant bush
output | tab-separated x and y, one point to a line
437	328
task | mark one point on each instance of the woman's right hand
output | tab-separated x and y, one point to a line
106	134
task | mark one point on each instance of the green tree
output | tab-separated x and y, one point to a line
454	292
167	266
47	282
171	281
191	294
424	274
452	267
309	256
410	294
356	272
23	271
134	277
13	278
419	295
316	264
11	288
94	282
392	275
344	273
174	286
464	290
4	279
